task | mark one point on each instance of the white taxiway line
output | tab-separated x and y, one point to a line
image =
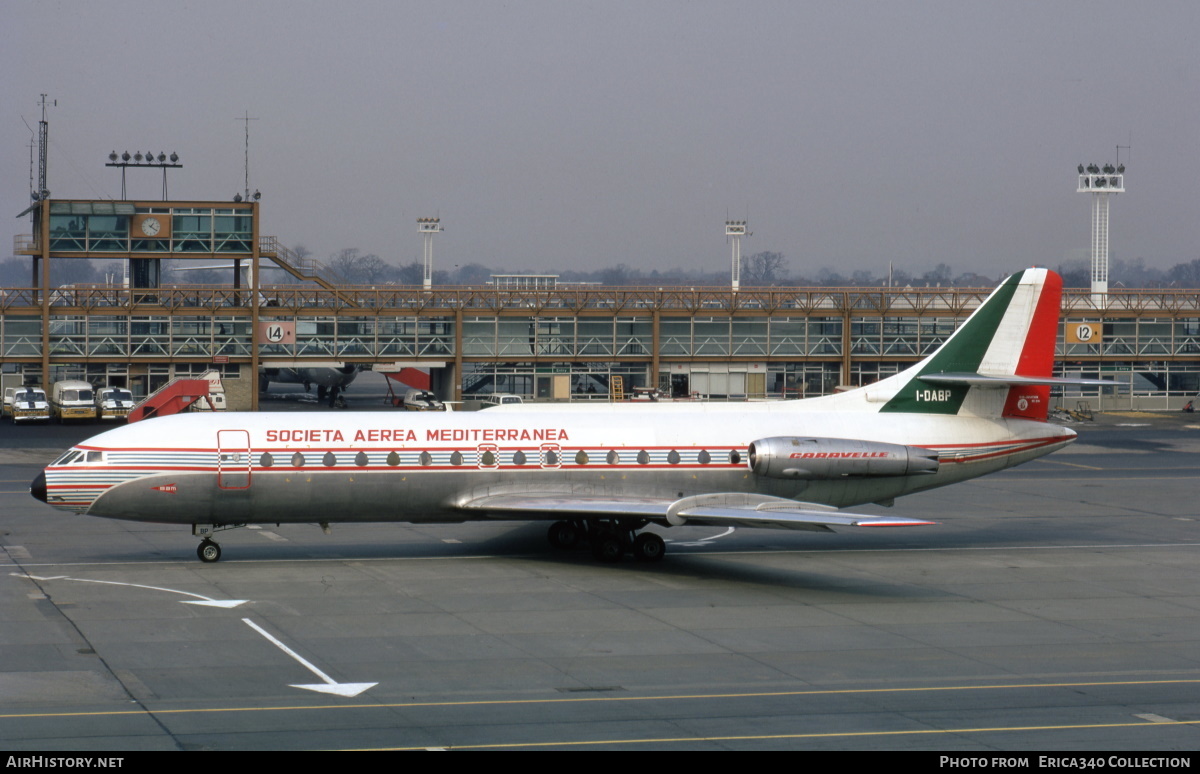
329	685
200	598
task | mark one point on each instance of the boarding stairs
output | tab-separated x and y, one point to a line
172	398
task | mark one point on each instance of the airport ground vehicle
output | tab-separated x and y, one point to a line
73	400
499	399
422	400
113	404
26	404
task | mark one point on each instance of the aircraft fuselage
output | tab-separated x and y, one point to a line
417	467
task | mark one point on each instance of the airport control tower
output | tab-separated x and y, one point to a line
1100	182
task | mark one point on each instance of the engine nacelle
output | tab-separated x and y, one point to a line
826	458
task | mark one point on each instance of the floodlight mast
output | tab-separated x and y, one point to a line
428	227
144	161
1100	182
734	231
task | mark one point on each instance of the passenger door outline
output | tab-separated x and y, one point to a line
233	459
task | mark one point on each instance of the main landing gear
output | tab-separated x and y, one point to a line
609	539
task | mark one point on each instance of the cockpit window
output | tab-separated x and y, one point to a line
66	458
74	456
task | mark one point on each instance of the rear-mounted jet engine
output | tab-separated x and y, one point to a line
826	458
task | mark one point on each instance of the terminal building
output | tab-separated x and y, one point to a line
539	339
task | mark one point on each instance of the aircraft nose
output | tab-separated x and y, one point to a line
38	487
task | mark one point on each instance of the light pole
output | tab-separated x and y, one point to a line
734	231
428	227
1100	182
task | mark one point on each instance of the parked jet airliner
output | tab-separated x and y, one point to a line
978	404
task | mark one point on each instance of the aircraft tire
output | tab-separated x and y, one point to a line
649	547
208	551
563	535
607	549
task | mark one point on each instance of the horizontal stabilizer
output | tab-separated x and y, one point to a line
1013	380
734	509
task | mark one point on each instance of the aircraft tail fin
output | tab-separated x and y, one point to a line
998	363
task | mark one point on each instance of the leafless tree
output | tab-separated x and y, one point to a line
359	269
765	268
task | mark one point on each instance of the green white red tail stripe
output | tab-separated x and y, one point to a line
1037	354
1012	334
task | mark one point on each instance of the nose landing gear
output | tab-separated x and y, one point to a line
208	551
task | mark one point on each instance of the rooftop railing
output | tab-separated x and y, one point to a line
575	301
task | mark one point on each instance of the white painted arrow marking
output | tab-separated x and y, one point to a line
703	541
200	599
348	690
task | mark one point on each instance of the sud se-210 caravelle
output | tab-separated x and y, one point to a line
601	473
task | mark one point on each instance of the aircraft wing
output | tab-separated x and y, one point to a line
732	509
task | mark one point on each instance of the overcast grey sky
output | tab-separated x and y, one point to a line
567	135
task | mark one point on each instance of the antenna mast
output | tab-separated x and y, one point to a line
247	119
43	192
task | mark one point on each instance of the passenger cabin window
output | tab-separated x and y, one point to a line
643	457
266	460
703	458
297	460
614	458
519	458
360	459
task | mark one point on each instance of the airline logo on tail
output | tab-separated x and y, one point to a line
1011	334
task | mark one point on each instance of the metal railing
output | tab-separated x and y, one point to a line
614	300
